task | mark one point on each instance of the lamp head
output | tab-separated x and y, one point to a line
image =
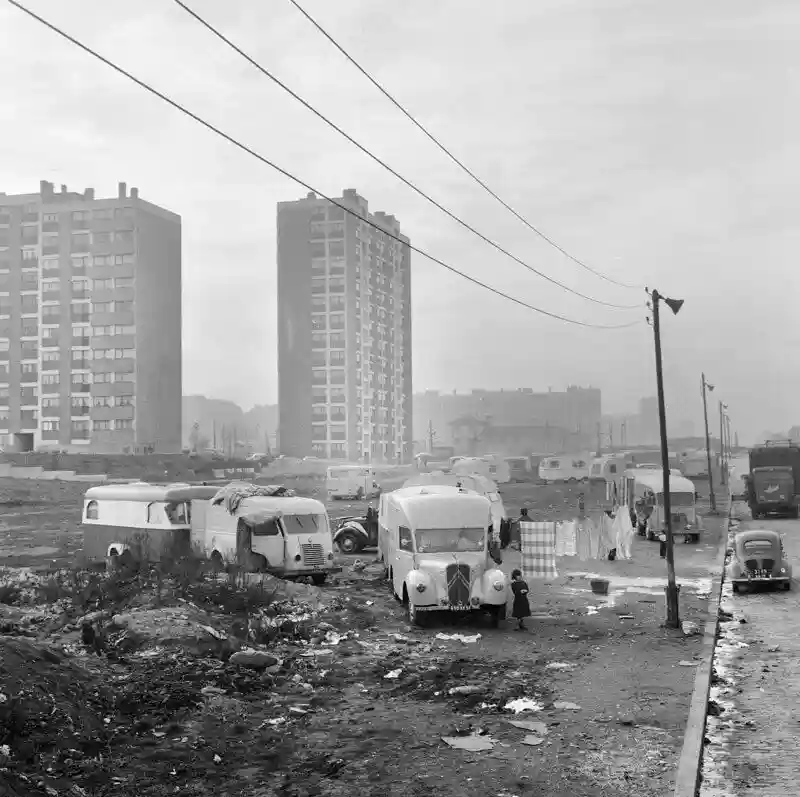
674	305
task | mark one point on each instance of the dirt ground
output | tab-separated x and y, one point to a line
346	697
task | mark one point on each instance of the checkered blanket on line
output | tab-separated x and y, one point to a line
538	543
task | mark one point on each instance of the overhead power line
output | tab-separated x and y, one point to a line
264	71
453	158
209	126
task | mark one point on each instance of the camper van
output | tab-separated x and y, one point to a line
141	522
519	469
642	489
351	481
434	543
283	535
564	468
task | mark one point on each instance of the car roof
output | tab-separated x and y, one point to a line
752	534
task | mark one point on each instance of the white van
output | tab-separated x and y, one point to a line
286	536
434	543
140	521
351	481
565	468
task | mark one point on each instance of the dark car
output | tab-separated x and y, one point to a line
758	557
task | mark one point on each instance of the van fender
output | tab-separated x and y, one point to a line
484	588
117	549
428	596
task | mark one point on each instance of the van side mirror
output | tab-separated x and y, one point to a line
729	552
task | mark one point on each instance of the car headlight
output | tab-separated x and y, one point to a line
498	585
330	556
421	588
783	570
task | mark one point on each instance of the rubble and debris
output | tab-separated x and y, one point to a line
538	728
523	704
690	628
474	743
566	706
467	640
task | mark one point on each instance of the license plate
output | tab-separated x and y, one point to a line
760	574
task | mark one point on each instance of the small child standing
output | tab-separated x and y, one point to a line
521	608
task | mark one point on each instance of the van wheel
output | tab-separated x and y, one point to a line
258	563
412	615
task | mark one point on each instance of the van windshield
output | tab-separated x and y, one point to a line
449	540
677	499
304	524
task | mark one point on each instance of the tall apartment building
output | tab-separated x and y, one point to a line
344	332
90	322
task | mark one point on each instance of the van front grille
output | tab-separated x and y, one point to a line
313	555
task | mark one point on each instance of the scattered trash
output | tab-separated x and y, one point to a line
770	649
217	759
532	740
523	704
559	665
254	660
690	629
527	725
626	617
393	675
474	742
370	603
687	663
564	705
466	690
459	637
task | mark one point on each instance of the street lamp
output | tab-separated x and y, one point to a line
673	618
722	466
707	388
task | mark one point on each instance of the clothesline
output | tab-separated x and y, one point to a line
587	538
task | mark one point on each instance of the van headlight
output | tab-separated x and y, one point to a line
783	570
498	585
421	588
330	556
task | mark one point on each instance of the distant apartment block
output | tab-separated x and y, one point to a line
344	332
90	322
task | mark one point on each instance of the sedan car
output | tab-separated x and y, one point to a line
758	557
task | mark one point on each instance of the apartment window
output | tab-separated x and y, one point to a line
337	303
51	286
101	426
319	377
80	242
319	414
336	231
102	330
29	350
81	215
338	450
123	282
50	383
5	343
337	321
49	266
101	379
124	330
50	426
103	284
30	328
49	244
123	401
79	405
103	354
336	249
31	254
51	356
318	322
123	423
126	260
80	264
5	305
319	394
337	377
337	358
319	341
30	235
338	395
317	285
319	431
336	285
317	266
338	341
78	354
338	433
318	358
124	213
102	307
103	401
29	304
123	307
80	429
124	237
3	395
338	414
317	249
28	395
51	403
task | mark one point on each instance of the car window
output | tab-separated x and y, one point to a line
758	545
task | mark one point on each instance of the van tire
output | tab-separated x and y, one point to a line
349	542
412	615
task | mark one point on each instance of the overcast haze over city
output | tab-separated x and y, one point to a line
659	142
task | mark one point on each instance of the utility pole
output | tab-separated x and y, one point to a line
673	614
214	432
610	435
722	443
431	435
706	389
623	433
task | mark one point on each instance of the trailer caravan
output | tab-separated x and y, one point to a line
564	468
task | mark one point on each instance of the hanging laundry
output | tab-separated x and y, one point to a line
595	529
624	533
583	543
565	539
538	544
608	534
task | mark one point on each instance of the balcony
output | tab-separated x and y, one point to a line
80	341
79	318
51	341
28	397
30	216
77	410
81	365
50	249
49	226
80	387
80	434
80	224
335	399
51	412
5	219
51	365
78	293
29	377
50	434
29	352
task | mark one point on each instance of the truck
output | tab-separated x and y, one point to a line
773	484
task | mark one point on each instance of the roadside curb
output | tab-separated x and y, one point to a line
687	780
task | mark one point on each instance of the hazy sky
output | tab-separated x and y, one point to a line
660	142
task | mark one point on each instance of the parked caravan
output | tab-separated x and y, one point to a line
608	468
564	468
472	481
466	466
642	490
141	522
285	535
435	544
351	481
519	469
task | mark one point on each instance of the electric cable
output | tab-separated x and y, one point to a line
453	158
209	126
264	71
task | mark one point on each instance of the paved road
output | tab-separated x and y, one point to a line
754	743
